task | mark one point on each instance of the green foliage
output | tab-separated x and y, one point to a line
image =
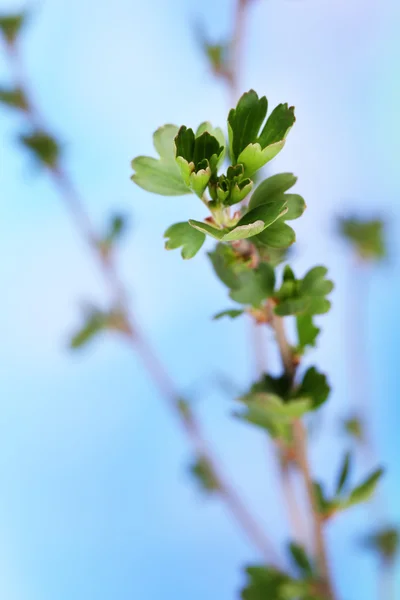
307	332
366	236
190	161
231	312
272	413
203	472
250	146
385	542
43	147
198	157
116	228
315	386
185	236
267	583
96	321
345	498
13	98
247	286
305	296
354	428
10	26
161	176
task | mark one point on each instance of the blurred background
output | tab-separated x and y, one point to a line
95	500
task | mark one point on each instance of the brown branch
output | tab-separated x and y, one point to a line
300	442
135	337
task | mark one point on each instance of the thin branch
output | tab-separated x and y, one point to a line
300	443
137	340
236	52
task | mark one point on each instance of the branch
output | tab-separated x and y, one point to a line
300	443
135	336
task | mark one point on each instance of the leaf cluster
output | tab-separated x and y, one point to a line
189	163
268	582
346	496
273	402
367	237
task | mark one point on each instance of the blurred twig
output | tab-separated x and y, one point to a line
132	331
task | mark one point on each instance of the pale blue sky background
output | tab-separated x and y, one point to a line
95	502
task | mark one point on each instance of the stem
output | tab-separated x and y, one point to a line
138	342
289	494
300	443
237	49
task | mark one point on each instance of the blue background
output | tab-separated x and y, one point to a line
95	501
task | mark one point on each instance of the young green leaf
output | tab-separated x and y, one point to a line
315	386
182	234
271	188
10	26
277	235
307	332
253	286
232	313
366	236
344	473
385	542
43	146
161	176
364	491
249	146
218	234
301	560
266	583
203	472
13	98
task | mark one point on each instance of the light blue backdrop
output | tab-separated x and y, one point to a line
94	501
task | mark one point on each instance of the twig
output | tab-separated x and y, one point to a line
137	340
237	49
300	442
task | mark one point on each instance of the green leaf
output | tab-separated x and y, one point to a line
264	583
226	266
247	145
14	98
202	471
343	473
321	500
218	234
307	332
305	297
96	321
197	154
315	386
254	285
278	125
272	187
232	313
277	235
161	176
43	146
10	26
245	121
315	284
242	232
353	426
267	213
385	542
182	234
296	206
216	132
292	306
301	560
254	157
367	237
364	491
